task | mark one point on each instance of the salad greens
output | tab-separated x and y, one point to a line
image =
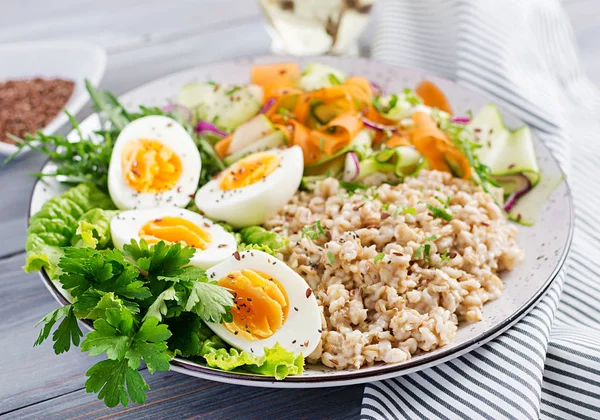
87	158
147	303
63	221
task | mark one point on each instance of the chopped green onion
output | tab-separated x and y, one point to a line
378	257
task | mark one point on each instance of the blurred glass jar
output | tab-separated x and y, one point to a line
314	27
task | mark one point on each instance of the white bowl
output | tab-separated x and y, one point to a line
74	61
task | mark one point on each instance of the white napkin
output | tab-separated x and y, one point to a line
522	54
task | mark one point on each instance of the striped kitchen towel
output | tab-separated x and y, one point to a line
522	54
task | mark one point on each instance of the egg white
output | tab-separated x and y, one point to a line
170	133
300	333
126	226
252	205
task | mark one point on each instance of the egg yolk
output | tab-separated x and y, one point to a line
260	304
175	229
249	170
150	166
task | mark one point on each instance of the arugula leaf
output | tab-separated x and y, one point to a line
67	332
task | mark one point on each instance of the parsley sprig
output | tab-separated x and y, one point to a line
130	296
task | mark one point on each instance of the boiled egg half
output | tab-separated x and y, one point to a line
154	163
174	225
272	304
253	188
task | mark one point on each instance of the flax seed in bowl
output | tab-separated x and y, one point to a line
28	105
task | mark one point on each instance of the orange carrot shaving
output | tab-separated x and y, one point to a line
275	76
301	137
437	148
433	96
222	146
397	140
337	134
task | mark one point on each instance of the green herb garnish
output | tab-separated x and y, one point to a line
333	79
439	213
331	257
127	294
314	231
431	238
352	187
410	97
232	90
378	257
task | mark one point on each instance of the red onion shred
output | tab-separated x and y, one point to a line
204	127
376	88
460	120
518	193
377	126
268	105
351	167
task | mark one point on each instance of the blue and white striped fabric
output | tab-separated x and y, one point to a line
521	53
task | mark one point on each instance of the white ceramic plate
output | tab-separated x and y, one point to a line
65	60
546	243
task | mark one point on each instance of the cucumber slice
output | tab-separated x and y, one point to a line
250	132
505	151
227	106
317	76
271	141
528	208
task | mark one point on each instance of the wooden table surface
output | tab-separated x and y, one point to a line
146	40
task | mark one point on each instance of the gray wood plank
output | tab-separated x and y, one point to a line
178	396
36	383
30	374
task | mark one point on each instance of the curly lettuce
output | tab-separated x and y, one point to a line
93	229
57	222
261	239
192	338
276	362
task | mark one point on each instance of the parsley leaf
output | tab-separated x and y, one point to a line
68	331
115	383
209	301
445	256
439	213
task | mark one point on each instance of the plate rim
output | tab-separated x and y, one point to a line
78	102
357	376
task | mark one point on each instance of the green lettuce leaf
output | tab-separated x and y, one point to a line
277	361
93	229
261	239
56	223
